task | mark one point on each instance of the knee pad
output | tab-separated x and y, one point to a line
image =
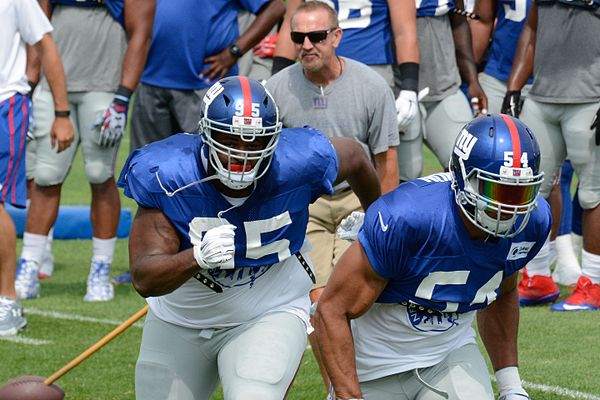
98	172
49	176
588	199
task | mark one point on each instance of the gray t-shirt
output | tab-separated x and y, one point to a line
91	45
437	69
358	104
567	55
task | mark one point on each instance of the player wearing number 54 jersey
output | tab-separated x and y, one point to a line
218	245
430	255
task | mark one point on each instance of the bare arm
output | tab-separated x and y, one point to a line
285	48
386	165
522	66
464	56
265	20
139	19
355	167
482	28
157	266
61	132
344	299
499	325
403	18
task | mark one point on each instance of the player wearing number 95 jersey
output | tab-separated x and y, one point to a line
430	256
218	245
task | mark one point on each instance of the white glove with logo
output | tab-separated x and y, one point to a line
216	248
509	384
349	227
407	107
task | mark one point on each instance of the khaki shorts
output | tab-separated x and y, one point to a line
325	215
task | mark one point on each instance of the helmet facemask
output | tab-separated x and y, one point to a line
241	127
499	204
242	166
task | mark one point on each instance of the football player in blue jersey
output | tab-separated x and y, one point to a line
430	256
218	245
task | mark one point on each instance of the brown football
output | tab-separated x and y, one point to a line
30	388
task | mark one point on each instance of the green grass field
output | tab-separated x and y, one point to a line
560	352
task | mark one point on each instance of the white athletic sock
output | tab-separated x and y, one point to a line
565	252
104	248
540	265
33	246
590	266
49	241
577	243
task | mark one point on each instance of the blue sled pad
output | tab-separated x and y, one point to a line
73	222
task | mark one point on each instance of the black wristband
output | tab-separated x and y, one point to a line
280	63
409	76
122	95
65	114
32	86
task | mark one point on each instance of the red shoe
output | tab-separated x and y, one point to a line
586	296
537	289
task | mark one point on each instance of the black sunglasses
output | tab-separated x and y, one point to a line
314	36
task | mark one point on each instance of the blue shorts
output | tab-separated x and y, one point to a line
14	120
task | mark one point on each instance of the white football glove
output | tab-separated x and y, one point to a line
349	227
407	107
509	384
216	248
112	124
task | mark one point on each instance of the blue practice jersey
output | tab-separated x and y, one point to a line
415	237
271	223
367	31
510	19
116	8
185	33
434	8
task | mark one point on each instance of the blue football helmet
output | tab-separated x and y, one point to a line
240	121
496	173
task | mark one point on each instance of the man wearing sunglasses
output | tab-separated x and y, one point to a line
343	98
373	31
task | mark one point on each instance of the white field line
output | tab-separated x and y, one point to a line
574	394
24	340
75	317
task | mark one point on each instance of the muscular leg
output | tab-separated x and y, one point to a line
106	209
8	257
43	209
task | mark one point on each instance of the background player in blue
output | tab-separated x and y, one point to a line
194	43
429	255
222	262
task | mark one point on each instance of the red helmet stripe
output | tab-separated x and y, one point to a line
247	93
516	140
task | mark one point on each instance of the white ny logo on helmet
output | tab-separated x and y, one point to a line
464	144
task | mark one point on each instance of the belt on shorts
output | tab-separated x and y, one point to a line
215	287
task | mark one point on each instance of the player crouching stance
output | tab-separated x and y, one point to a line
218	245
430	256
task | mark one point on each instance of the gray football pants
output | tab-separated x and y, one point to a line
253	361
463	375
563	131
438	123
